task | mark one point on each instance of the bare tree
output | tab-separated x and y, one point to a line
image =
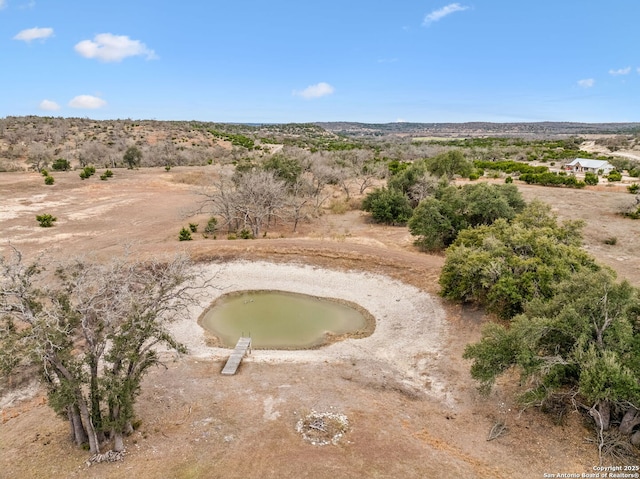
359	168
298	200
39	156
424	187
250	200
259	198
94	153
163	153
323	172
218	199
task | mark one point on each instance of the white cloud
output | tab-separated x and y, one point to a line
34	34
87	102
443	12
315	91
586	83
620	71
113	48
3	4
49	105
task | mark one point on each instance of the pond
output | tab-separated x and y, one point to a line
283	320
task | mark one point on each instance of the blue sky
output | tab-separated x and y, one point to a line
348	60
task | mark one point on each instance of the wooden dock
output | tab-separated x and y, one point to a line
242	346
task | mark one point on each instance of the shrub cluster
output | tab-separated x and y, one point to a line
87	172
61	165
389	206
184	235
552	179
439	219
510	166
46	220
591	178
614	176
106	175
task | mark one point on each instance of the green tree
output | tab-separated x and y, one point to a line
584	339
405	178
387	206
396	166
415	182
591	178
552	179
61	165
449	164
506	264
433	223
285	168
484	203
132	157
437	221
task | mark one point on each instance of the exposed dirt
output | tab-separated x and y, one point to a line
593	147
197	423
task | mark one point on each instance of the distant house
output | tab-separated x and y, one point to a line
584	165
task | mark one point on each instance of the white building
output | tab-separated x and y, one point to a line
583	165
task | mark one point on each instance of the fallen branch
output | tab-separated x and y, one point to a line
109	456
498	429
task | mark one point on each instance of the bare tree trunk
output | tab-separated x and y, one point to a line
347	191
116	432
78	432
630	420
96	414
94	446
601	414
72	430
118	441
63	372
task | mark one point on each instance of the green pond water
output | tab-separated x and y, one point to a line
280	320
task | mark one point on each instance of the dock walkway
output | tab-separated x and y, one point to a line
242	346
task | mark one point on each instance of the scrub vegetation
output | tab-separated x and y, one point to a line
557	318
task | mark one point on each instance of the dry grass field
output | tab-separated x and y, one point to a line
197	423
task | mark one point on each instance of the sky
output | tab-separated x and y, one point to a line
277	61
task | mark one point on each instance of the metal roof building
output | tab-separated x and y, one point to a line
582	165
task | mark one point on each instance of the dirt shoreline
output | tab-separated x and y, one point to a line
410	331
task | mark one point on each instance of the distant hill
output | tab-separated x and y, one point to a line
532	130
